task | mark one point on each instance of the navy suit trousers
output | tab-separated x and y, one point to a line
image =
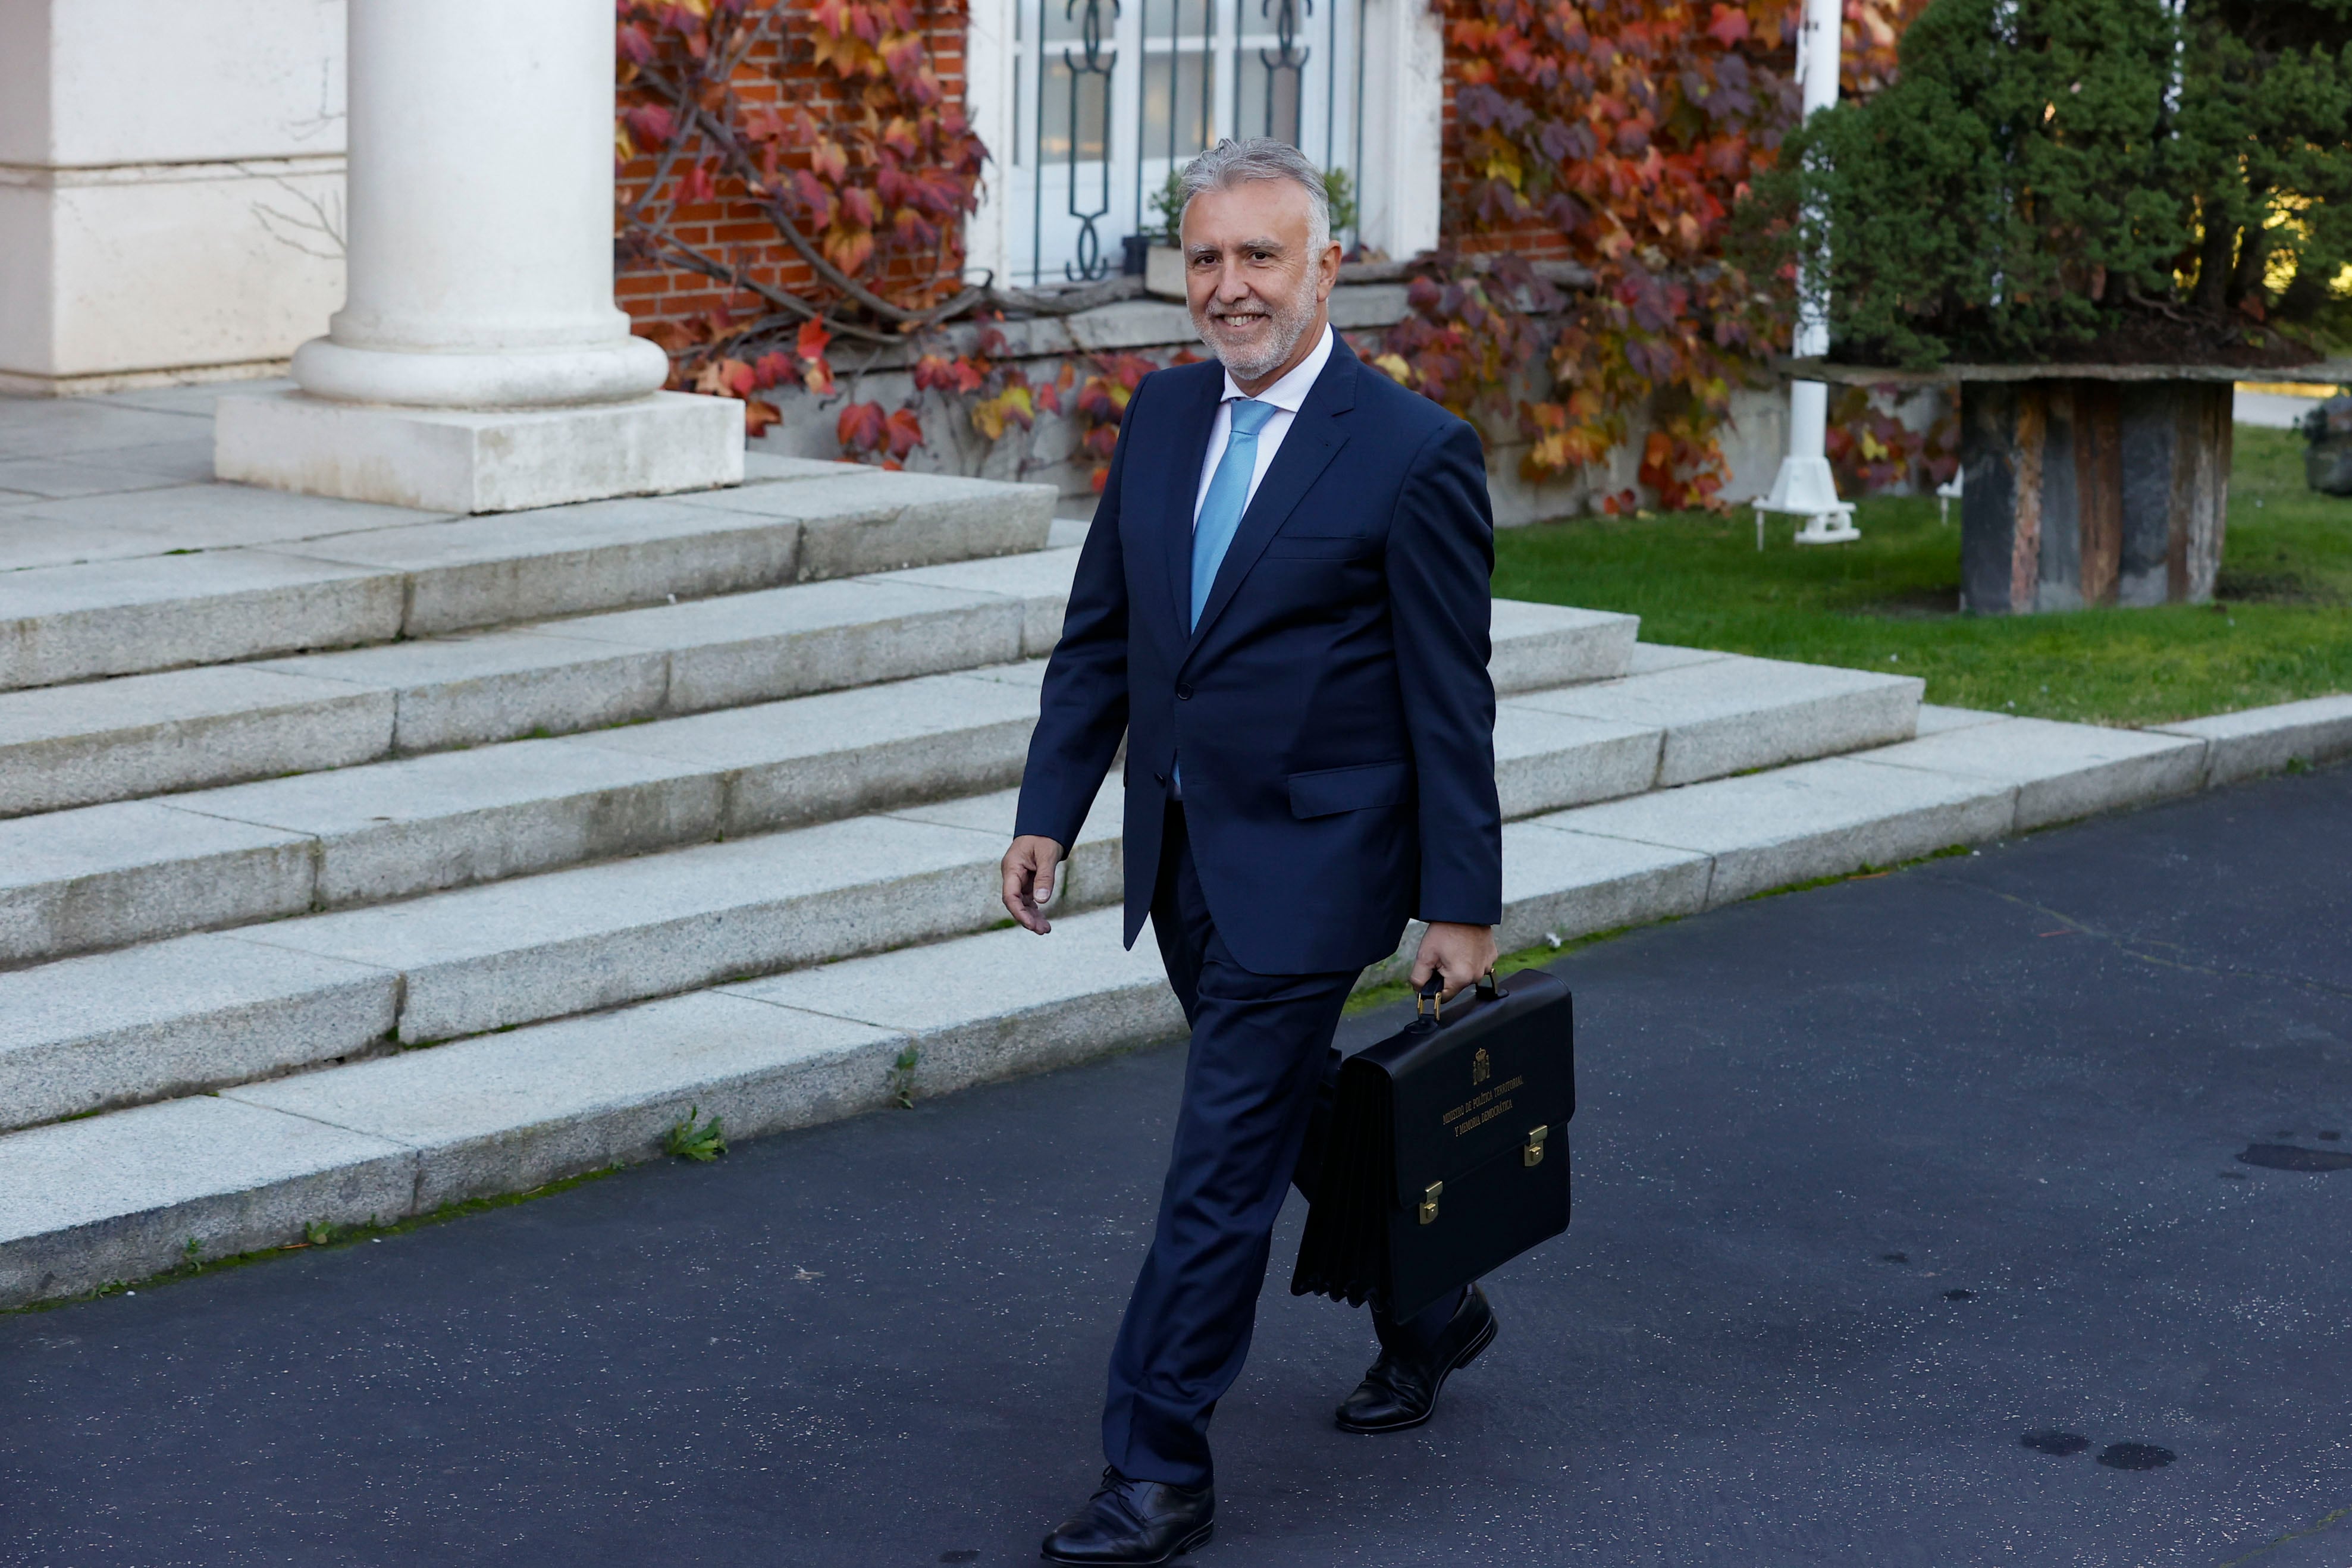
1261	1067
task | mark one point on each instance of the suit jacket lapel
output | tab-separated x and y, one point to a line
1315	438
1181	483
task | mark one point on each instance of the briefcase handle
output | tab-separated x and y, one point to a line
1432	993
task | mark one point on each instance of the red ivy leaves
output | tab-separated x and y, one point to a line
1625	132
651	124
860	428
870	433
1871	450
868	165
942	373
1100	401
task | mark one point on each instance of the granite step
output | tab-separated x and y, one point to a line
67	1048
515	952
502	1113
152	734
1728	714
540	935
107	876
403	1133
243	574
157	734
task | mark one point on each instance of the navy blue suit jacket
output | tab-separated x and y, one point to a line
1333	709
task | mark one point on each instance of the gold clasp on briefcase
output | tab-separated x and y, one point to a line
1429	1196
1531	1152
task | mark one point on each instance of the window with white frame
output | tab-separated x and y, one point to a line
1087	106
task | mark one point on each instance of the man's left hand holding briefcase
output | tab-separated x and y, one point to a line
1282	606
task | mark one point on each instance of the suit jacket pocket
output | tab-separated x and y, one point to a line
1320	546
1330	790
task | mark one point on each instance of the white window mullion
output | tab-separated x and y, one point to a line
1229	58
1403	117
1125	130
992	102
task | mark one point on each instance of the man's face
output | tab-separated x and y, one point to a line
1253	284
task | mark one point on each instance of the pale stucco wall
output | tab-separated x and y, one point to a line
165	166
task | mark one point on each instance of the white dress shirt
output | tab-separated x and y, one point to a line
1285	395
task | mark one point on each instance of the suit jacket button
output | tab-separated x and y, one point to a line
1159	778
1183	694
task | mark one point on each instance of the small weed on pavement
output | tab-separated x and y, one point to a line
691	1139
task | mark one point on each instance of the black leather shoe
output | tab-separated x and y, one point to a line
1400	1391
1133	1521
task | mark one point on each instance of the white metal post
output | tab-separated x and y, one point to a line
1804	487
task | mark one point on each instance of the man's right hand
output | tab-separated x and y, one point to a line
1029	879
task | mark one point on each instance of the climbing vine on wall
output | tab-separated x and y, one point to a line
1616	137
806	161
1870	448
822	133
827	122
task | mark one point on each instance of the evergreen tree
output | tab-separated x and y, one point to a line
2143	180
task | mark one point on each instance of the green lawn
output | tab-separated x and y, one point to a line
2282	629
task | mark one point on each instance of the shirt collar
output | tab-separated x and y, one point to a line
1291	391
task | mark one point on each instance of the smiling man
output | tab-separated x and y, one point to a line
1282	606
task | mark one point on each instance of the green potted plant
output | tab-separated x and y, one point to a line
1163	270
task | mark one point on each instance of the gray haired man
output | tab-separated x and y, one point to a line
1283	606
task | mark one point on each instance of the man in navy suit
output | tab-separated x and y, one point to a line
1283	605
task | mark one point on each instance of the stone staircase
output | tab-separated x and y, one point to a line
347	874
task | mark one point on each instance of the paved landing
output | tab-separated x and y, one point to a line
1871	1181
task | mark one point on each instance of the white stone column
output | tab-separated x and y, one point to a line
478	363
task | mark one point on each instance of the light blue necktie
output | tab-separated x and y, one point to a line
1221	509
1221	512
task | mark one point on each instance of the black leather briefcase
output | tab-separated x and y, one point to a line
1446	1154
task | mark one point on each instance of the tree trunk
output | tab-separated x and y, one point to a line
2081	494
2213	264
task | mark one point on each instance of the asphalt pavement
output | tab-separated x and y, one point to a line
1990	1211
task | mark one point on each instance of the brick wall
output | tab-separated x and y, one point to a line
777	77
781	76
1535	239
789	75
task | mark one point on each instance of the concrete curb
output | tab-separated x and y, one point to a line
2266	740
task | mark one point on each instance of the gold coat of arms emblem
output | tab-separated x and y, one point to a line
1482	1067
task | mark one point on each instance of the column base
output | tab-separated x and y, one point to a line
466	460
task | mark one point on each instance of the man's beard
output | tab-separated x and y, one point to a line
1286	324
